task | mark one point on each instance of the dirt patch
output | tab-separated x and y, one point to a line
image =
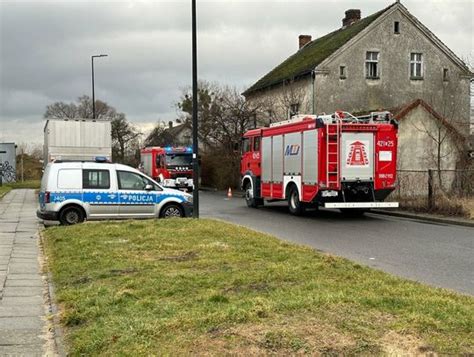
124	271
181	257
294	336
396	344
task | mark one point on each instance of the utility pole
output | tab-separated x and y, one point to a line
22	167
93	90
195	115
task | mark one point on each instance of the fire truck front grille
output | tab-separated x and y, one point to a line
181	174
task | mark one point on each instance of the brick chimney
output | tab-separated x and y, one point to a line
170	124
303	40
352	15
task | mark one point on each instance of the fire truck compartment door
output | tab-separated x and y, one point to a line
357	156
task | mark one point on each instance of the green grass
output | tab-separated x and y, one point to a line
7	187
186	286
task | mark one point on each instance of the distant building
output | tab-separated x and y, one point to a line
8	162
181	134
385	60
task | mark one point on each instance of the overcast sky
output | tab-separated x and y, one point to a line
45	49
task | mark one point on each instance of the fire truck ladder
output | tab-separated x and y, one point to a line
333	149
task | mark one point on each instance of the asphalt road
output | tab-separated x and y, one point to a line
436	254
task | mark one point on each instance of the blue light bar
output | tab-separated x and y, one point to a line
101	159
188	149
168	148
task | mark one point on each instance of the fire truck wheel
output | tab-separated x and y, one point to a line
295	206
249	199
353	212
171	210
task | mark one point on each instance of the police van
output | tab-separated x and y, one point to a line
72	192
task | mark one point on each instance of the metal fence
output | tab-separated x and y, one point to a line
434	190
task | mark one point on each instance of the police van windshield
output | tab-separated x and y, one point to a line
179	159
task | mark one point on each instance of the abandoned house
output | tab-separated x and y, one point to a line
386	60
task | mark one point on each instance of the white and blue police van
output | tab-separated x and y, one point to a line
72	192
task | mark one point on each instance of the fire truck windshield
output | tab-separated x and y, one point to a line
179	159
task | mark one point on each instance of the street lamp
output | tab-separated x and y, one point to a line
195	116
93	93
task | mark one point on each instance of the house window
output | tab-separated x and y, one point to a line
372	65
445	74
342	72
396	27
416	65
294	109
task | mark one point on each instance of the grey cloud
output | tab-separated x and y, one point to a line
45	48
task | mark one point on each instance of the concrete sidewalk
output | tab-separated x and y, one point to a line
22	308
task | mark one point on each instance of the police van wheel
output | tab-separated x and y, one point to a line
295	206
172	210
70	216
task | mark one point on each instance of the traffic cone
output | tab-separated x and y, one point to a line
229	193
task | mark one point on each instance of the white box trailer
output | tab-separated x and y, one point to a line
77	139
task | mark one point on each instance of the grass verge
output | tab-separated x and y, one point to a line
7	187
207	287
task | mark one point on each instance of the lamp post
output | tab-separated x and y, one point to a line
195	115
93	92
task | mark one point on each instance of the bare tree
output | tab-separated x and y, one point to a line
124	135
291	95
124	138
444	132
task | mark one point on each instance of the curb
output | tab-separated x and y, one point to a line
420	217
56	328
427	218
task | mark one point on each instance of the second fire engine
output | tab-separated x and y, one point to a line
334	161
170	166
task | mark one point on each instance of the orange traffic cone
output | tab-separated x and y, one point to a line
229	193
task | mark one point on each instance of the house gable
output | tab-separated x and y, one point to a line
418	135
308	57
411	19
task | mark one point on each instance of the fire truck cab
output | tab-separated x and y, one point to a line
334	161
170	166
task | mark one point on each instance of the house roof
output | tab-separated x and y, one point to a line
309	56
402	112
177	129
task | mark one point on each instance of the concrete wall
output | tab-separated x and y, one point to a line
394	88
8	162
416	150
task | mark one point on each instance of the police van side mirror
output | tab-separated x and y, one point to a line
149	188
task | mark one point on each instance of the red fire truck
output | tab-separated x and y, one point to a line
334	161
171	166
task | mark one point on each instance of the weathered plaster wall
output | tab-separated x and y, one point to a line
277	100
394	88
416	150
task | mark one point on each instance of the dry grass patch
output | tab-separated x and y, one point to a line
182	287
